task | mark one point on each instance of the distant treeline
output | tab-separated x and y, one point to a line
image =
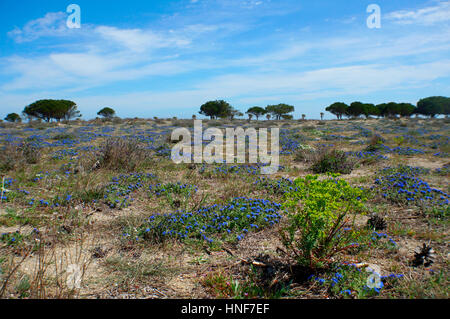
431	106
58	110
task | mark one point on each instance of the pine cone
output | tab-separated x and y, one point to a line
376	222
424	257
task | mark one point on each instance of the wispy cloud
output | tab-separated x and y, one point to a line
52	24
99	55
140	40
339	80
425	16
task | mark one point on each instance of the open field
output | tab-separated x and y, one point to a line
104	196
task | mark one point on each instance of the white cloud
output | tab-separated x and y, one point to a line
139	40
340	80
260	88
52	24
97	55
425	16
250	4
79	71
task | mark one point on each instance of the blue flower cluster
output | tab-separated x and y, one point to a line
61	154
280	186
289	142
444	170
118	192
405	169
232	221
7	183
442	154
367	155
376	236
348	279
334	137
405	187
402	150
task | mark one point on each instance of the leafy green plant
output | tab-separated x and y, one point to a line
437	215
254	286
176	194
11	218
12	239
320	219
369	239
375	144
23	287
399	140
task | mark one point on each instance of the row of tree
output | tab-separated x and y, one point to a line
58	110
222	109
431	106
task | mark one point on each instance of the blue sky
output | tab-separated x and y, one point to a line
166	58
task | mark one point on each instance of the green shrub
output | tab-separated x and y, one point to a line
306	155
176	195
13	156
122	154
10	156
320	223
64	136
254	286
332	161
31	153
375	144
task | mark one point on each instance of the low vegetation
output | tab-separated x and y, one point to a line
358	209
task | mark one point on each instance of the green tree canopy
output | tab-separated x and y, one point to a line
382	109
13	117
52	109
367	108
216	109
356	109
107	112
406	109
279	110
234	113
372	110
339	109
433	106
392	109
256	111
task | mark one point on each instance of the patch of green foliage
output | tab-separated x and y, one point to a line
254	286
319	211
333	161
176	194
